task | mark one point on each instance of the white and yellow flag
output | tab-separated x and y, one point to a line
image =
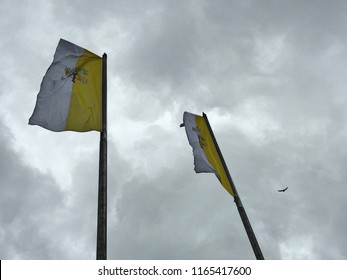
70	93
206	157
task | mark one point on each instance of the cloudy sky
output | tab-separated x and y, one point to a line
270	75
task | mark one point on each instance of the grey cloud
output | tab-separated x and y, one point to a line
26	199
271	77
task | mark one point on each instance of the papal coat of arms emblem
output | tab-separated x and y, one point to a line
76	73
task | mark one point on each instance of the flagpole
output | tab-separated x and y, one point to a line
237	200
101	246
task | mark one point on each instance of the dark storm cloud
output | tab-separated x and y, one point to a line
217	47
38	219
269	74
166	218
309	166
30	202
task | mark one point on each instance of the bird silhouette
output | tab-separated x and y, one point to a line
283	190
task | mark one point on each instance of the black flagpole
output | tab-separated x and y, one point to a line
240	208
101	246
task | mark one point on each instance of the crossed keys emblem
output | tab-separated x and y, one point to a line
202	140
76	74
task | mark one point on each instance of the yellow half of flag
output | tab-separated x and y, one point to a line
70	93
206	157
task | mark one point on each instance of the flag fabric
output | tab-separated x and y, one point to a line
70	93
206	157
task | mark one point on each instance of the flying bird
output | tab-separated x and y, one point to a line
283	190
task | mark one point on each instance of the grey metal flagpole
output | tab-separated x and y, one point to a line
101	246
240	208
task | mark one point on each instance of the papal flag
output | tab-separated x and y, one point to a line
206	157
70	93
